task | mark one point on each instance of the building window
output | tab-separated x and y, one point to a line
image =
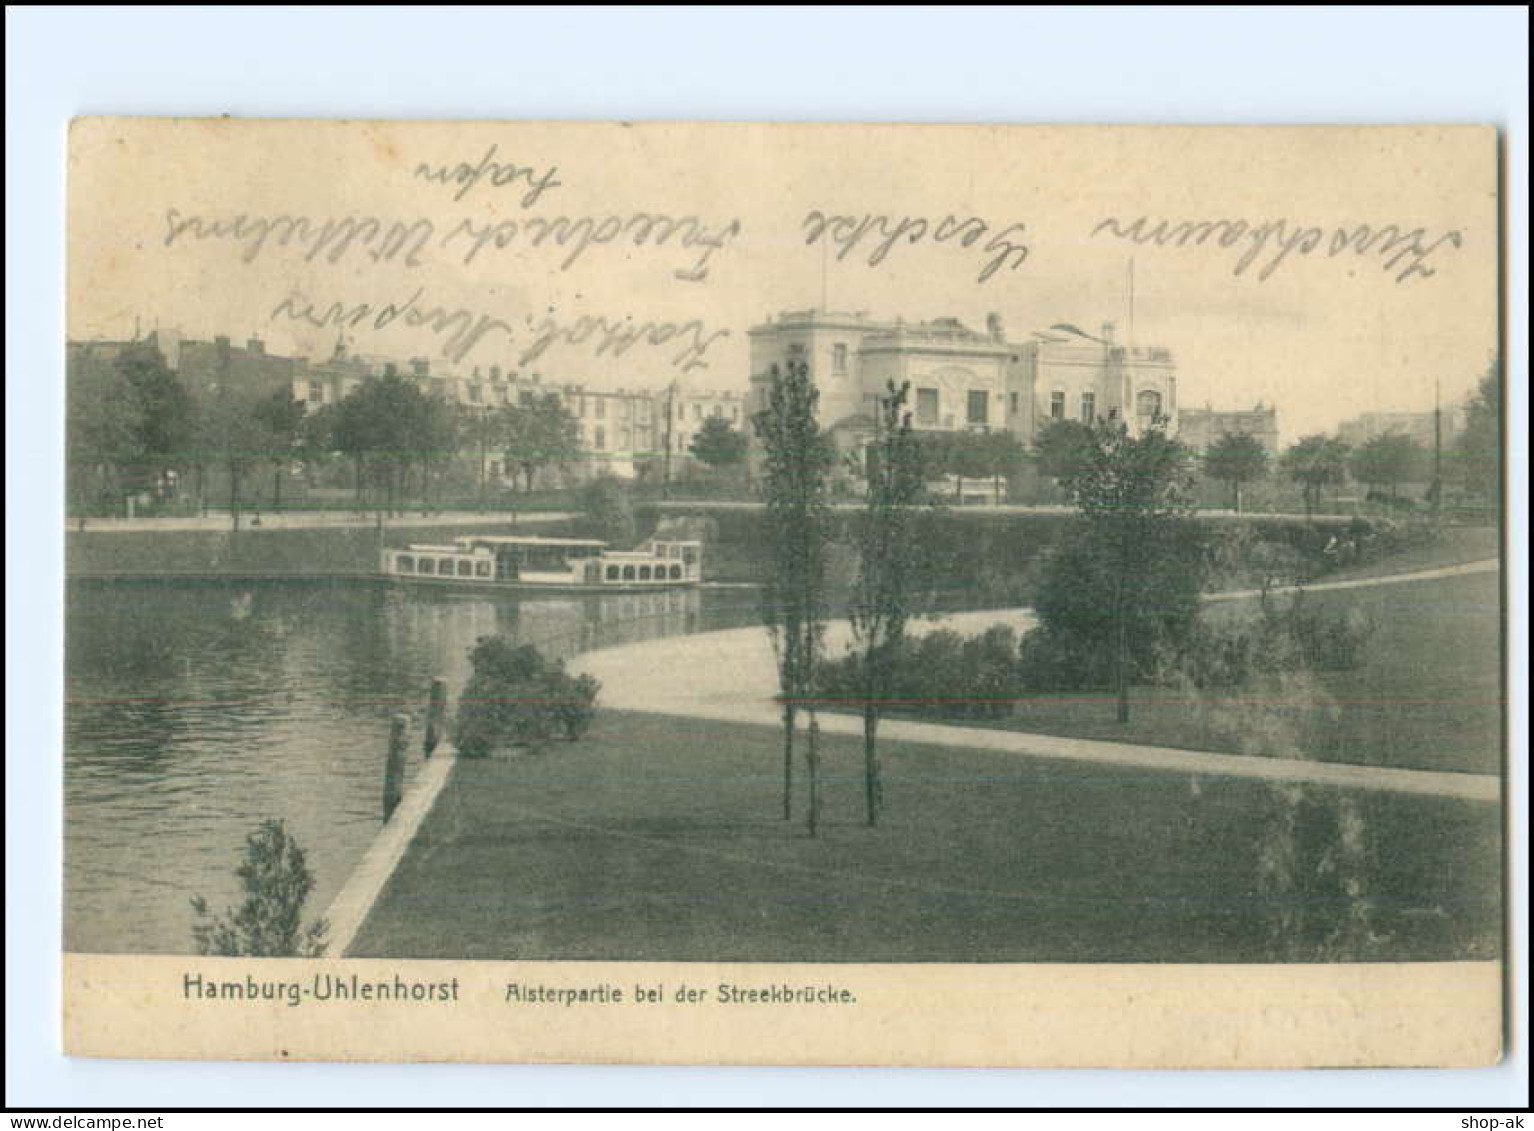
601	441
316	393
839	359
1088	407
1057	406
1014	404
697	411
979	406
601	408
926	407
1148	404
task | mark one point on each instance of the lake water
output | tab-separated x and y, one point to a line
196	710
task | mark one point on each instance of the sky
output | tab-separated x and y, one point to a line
1034	224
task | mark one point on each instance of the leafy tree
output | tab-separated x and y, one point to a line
1386	460
104	429
281	421
482	430
276	878
538	433
385	425
609	511
1478	449
796	465
1315	462
1062	448
232	435
718	445
1132	492
882	595
1234	459
164	421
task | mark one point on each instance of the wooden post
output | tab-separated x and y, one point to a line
436	716
394	766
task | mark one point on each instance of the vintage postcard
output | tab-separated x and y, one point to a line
790	594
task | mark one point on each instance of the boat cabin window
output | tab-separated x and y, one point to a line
644	573
482	569
676	573
465	569
690	554
612	573
628	573
404	563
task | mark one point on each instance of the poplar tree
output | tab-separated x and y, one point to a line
882	598
797	460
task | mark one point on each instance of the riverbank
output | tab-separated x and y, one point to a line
326	547
661	837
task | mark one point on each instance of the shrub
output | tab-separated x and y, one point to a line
518	697
277	881
1076	600
940	674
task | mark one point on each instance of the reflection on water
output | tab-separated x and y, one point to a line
195	710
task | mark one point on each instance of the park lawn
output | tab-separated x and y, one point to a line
661	838
1459	546
1426	696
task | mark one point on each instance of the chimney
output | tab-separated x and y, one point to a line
255	346
1107	334
993	324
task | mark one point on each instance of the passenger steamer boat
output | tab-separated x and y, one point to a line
569	564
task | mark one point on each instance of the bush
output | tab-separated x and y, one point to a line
517	697
277	881
1074	646
1284	636
940	674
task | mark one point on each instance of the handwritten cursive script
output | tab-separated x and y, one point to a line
462	330
1396	246
885	233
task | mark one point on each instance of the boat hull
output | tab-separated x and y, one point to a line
485	584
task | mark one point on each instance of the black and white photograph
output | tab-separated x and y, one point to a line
795	550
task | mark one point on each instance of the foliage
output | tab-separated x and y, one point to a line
608	511
386	425
1478	449
1062	449
970	455
231	435
940	674
883	592
1138	558
717	444
518	697
795	468
537	433
1316	462
1284	635
1388	460
1236	458
276	878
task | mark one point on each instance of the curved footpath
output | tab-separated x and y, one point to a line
730	676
